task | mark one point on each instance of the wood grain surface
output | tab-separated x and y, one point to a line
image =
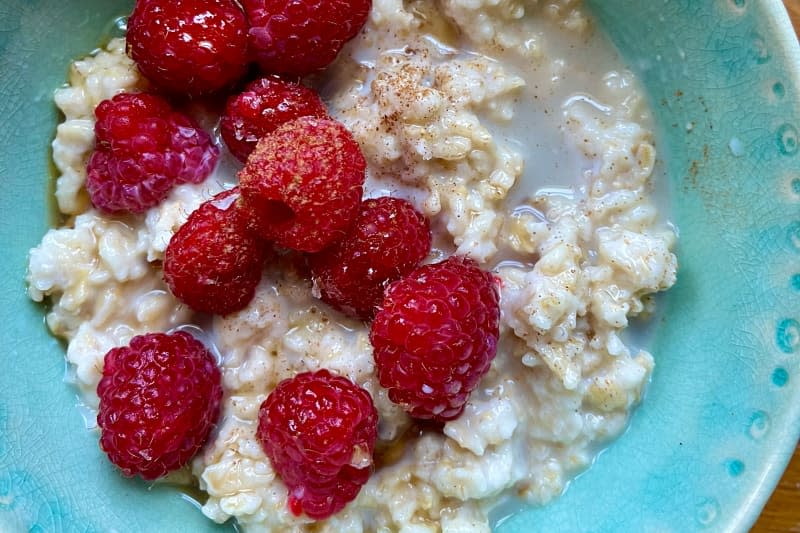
794	11
782	513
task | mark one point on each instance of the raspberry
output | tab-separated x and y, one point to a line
388	239
213	263
436	336
159	400
264	105
302	36
319	432
303	183
189	47
143	148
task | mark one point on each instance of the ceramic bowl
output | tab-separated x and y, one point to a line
722	414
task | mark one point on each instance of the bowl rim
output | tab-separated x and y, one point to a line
789	436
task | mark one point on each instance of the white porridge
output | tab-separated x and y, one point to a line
527	152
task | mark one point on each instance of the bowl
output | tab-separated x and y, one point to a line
722	413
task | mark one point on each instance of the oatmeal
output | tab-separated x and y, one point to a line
495	122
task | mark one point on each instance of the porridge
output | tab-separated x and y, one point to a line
526	153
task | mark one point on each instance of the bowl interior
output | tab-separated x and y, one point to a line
721	416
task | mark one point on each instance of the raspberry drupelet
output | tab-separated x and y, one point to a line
319	431
143	148
261	107
159	401
436	336
302	36
214	262
388	239
302	185
189	47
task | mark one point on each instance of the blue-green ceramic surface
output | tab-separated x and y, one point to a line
722	414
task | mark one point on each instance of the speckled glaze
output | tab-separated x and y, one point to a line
722	414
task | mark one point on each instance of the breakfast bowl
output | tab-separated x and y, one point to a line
705	100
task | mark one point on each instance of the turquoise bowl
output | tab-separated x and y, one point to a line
722	414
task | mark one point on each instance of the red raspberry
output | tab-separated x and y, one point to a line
264	105
303	183
213	263
319	432
436	336
143	148
302	36
159	400
389	238
189	46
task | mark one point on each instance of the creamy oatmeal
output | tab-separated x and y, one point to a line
511	125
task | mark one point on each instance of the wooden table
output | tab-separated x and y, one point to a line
782	513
